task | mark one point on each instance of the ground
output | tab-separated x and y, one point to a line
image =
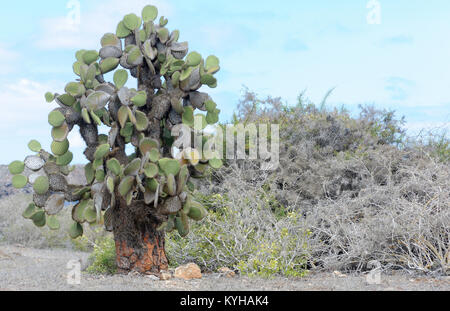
24	268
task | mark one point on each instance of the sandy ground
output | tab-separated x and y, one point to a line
37	270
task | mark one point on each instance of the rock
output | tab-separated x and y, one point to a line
152	277
165	275
224	271
188	272
339	274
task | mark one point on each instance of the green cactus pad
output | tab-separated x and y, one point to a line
102	151
210	106
154	155
141	121
216	163
213	117
132	21
110	184
122	31
163	21
97	100
171	185
152	184
85	115
41	185
78	211
90	213
79	55
29	211
75	89
151	170
193	59
212	64
208	80
53	223
110	39
60	148
175	36
183	177
182	224
113	165
90	57
125	185
60	133
147	144
65	159
89	173
169	166
56	118
188	116
66	100
39	219
196	211
49	97
75	230
34	146
149	13
132	168
163	35
19	181
109	64
140	99
16	167
186	74
122	115
100	175
127	130
120	78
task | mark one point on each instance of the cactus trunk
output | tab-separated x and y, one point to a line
139	246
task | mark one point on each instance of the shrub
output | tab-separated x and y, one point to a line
103	257
243	232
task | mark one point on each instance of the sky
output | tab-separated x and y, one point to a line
390	53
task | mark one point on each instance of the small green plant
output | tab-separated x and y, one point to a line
254	239
103	257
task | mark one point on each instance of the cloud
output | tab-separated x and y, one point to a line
7	59
295	45
399	88
226	37
23	104
60	33
398	40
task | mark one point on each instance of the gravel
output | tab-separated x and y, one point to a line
29	269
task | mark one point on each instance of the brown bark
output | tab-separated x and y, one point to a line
139	246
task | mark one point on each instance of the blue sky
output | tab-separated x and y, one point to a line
274	48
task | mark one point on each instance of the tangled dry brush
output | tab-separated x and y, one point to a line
361	189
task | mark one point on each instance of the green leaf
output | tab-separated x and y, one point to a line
120	78
49	97
193	59
19	181
149	13
34	146
122	31
16	167
132	21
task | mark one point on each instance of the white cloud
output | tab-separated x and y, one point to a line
59	33
7	59
23	103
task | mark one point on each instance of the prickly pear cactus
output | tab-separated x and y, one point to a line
154	178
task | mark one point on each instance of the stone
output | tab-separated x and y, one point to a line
188	272
339	274
224	271
165	275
